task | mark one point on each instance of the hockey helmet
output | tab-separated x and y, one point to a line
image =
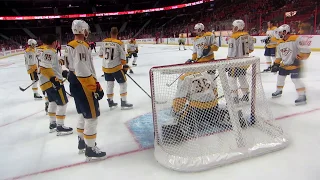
80	27
32	42
199	27
239	24
284	30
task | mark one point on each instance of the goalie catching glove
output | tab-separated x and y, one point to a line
99	92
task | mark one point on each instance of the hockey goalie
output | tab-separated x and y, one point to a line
196	109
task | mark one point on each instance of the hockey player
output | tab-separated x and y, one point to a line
240	45
51	83
132	49
290	53
182	42
114	67
85	89
271	43
204	45
31	65
39	51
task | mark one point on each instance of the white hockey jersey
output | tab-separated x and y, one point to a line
200	43
49	67
240	45
132	47
113	53
292	50
30	60
196	89
79	62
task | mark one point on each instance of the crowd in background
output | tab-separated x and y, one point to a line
170	24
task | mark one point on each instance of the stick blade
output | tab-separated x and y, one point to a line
21	89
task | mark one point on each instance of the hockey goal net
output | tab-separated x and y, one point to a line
210	114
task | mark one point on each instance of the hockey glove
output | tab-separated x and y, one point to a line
275	67
206	50
125	69
55	81
99	92
65	74
190	61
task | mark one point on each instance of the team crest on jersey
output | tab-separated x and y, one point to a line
285	51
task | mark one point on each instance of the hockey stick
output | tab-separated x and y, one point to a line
169	85
158	102
23	89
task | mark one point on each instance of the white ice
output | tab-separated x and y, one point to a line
28	151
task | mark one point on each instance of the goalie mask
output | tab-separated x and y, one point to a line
80	27
199	28
238	25
283	30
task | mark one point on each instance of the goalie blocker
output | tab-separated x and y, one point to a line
196	129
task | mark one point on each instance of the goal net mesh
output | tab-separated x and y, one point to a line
210	114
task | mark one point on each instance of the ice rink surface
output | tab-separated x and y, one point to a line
28	151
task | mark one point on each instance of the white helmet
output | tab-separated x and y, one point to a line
32	42
283	30
80	27
199	27
276	33
239	24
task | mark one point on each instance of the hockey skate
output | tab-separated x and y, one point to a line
81	146
94	153
52	127
63	130
277	94
130	71
125	105
134	64
46	106
112	105
37	96
302	99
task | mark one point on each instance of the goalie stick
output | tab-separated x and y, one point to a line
158	102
